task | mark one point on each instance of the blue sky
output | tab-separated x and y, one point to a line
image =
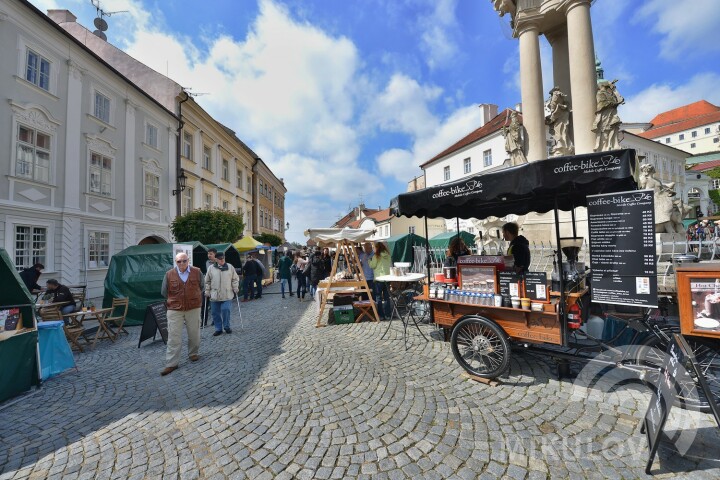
345	99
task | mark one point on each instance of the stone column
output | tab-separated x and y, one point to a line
558	39
130	180
582	73
531	91
74	157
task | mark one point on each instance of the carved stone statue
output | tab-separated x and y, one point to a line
504	6
607	122
669	211
558	119
513	140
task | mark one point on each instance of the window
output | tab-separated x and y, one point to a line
716	183
467	166
226	170
187	145
188	199
30	246
707	130
446	173
102	107
716	139
226	205
208	201
33	154
151	135
667	140
206	158
248	183
694	134
692	145
681	136
239	179
37	70
98	249
261	188
411	229
152	190
100	174
487	158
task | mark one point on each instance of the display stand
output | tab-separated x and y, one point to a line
347	249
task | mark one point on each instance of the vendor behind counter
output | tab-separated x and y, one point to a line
519	247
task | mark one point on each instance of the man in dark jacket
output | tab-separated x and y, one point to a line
317	272
61	293
31	275
250	275
519	247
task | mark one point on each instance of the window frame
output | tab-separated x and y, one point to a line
96	92
34	167
102	168
446	173
207	201
487	158
150	125
12	221
681	136
40	58
188	200
187	150
225	172
239	179
693	134
467	165
155	203
97	229
707	130
207	158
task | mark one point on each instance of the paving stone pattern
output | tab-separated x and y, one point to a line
282	399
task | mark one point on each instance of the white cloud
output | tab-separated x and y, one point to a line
398	163
437	34
688	27
660	97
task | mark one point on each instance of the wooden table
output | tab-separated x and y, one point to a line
78	318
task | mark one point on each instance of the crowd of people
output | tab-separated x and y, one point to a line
703	230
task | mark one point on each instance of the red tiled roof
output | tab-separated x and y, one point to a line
380	215
701	167
502	119
348	219
683	118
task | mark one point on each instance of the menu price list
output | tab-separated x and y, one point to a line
622	248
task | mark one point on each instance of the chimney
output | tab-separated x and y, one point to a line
518	107
61	16
489	111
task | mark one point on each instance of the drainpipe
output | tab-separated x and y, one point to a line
178	153
255	197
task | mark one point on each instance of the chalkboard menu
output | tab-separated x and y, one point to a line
536	286
622	248
508	285
155	319
10	319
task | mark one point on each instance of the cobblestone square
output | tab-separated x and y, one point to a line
283	399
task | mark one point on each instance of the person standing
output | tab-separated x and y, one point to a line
300	263
262	273
365	255
284	272
221	286
519	247
327	260
317	271
380	263
211	259
31	275
182	287
250	274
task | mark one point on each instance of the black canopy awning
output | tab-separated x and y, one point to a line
533	187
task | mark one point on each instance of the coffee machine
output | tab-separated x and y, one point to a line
573	271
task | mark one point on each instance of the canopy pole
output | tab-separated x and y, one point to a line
427	266
561	305
572	213
457	220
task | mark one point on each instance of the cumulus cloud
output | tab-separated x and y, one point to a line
437	38
660	97
687	27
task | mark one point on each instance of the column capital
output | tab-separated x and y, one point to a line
568	5
554	34
527	25
74	69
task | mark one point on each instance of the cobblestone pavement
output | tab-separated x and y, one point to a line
282	399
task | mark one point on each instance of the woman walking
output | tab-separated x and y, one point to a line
380	263
300	263
317	271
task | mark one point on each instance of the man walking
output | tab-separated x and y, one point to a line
250	274
285	275
182	286
206	303
221	285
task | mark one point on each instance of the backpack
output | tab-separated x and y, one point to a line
293	269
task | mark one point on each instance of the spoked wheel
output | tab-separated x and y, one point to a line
481	347
420	310
707	353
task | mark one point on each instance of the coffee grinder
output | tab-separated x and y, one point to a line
573	271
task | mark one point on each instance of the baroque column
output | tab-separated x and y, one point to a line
582	73
558	39
531	85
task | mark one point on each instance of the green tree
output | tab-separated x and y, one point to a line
273	240
208	226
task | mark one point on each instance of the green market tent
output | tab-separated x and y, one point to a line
137	273
232	256
401	246
443	240
18	353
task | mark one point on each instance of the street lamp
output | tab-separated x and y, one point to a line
181	182
287	225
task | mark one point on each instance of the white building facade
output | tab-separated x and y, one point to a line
89	157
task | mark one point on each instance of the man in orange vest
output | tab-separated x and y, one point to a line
182	286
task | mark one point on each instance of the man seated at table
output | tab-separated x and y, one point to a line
61	293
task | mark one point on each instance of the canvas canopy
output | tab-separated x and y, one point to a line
443	240
232	256
332	236
245	244
532	187
18	359
137	273
401	246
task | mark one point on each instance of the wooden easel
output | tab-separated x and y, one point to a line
354	265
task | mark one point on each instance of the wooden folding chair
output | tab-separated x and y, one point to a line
117	319
73	332
78	292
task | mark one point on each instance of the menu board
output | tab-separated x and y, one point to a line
155	320
536	286
10	319
508	285
622	248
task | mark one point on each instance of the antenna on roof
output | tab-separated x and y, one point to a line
194	94
100	24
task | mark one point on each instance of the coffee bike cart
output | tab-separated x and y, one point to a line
481	335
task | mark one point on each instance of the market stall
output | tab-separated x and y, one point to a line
137	273
443	240
246	243
401	246
18	333
232	256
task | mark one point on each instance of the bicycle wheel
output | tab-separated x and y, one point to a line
481	347
707	354
420	310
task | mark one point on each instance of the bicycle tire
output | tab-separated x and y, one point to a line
481	347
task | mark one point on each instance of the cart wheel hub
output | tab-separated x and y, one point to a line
480	344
